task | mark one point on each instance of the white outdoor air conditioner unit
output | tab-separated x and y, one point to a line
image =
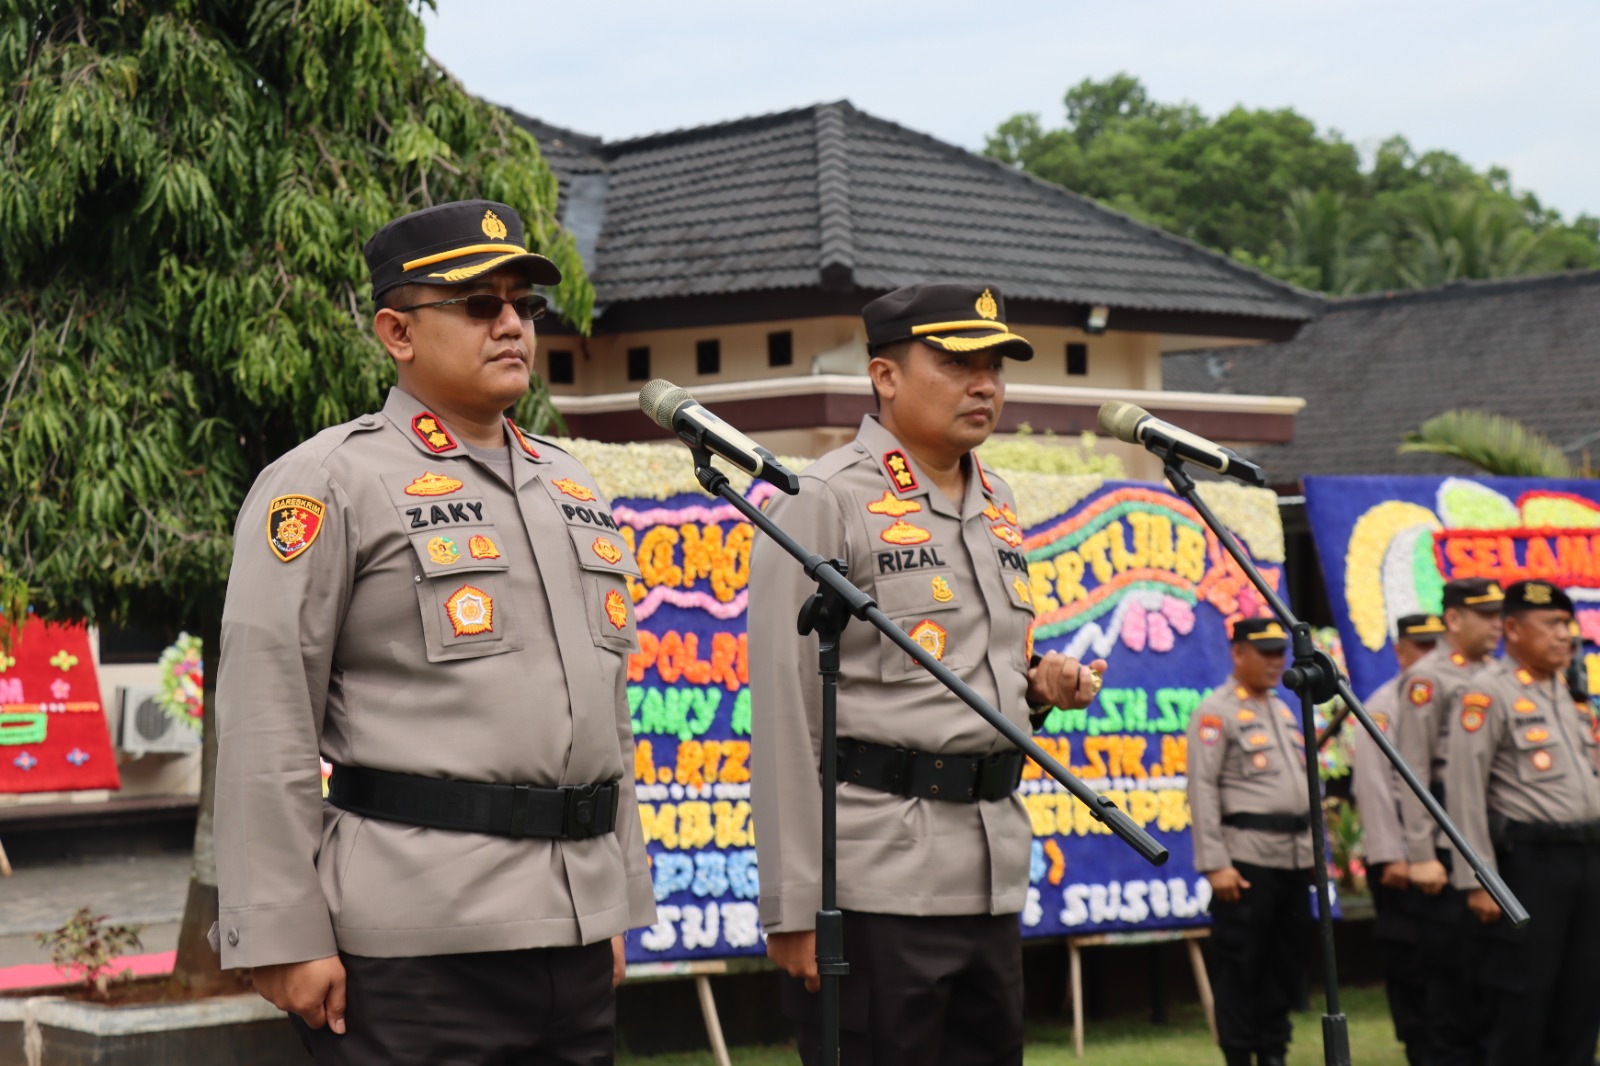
146	726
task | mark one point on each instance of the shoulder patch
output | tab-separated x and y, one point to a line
1210	729
432	433
1420	692
293	522
433	485
893	507
899	468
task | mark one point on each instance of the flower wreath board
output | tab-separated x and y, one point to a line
1388	545
1120	570
53	734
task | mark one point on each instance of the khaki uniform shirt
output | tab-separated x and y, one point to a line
1518	748
955	579
429	619
1376	785
1246	756
1423	701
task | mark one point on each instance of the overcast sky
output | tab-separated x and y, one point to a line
1495	82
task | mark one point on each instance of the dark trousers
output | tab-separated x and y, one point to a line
1542	1001
535	1007
1451	954
1257	956
937	991
1405	978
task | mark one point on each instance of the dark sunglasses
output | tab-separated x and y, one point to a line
486	306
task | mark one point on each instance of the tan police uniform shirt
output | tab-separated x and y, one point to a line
1424	697
1246	756
1376	786
429	619
1521	749
955	579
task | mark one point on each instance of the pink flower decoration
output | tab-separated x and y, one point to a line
1180	614
1133	628
1589	625
60	689
1160	631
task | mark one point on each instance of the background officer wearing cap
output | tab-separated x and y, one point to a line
1252	840
410	599
1427	692
933	847
1376	788
1524	788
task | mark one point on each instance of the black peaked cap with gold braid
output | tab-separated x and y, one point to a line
956	318
1264	634
450	244
1421	628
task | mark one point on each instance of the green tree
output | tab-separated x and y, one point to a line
1492	443
1270	189
183	195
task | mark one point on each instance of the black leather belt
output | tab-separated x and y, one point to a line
929	775
1271	823
1548	832
571	812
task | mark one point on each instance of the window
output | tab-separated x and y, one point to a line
638	364
707	357
1077	359
780	348
561	372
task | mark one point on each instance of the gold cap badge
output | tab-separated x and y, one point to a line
986	307
493	228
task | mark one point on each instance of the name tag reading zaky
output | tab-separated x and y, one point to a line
456	512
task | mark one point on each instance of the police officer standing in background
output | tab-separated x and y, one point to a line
409	599
1252	840
1427	692
933	842
1524	788
1376	789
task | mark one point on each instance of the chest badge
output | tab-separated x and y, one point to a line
1541	760
1024	593
471	611
1260	761
1524	706
893	507
1258	740
606	550
443	551
429	430
1008	514
903	532
432	485
942	592
1472	719
573	489
1007	534
1210	729
481	547
931	637
293	522
991	512
899	468
1536	735
1245	715
616	610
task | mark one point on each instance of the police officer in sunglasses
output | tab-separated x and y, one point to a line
411	601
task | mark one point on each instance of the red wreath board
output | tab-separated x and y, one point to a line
53	735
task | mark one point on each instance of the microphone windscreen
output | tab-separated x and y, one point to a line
660	400
1121	420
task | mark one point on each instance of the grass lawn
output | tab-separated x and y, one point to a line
1133	1041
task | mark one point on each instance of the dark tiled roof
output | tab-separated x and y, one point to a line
827	197
1373	368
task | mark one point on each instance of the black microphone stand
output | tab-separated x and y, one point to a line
826	612
1315	679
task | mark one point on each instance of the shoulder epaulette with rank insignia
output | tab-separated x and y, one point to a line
899	468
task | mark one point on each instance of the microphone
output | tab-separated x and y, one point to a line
1135	425
674	410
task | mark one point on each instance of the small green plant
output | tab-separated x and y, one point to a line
1344	839
86	948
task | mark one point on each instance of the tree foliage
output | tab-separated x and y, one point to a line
183	195
1492	443
1269	188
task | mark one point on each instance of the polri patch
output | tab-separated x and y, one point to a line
471	611
432	433
899	468
433	485
1420	692
1210	729
893	507
293	522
